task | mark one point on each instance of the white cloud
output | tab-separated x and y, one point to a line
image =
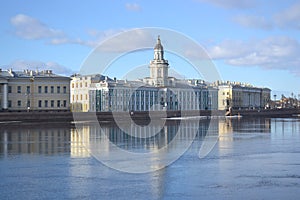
128	40
27	27
39	65
269	53
133	7
289	18
256	22
232	4
30	28
228	49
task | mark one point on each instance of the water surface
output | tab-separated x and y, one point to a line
253	159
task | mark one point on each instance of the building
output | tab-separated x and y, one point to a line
97	93
241	96
79	91
34	90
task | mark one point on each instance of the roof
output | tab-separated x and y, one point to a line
28	74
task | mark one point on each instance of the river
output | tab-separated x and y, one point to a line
251	158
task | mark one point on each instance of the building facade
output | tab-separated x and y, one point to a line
241	96
79	90
156	92
34	91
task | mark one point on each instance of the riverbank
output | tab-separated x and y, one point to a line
136	116
272	113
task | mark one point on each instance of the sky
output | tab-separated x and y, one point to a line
251	41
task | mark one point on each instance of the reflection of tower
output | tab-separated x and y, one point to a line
159	66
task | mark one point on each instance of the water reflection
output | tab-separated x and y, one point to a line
243	161
55	139
34	139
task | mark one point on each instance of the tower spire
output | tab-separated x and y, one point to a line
159	66
158	50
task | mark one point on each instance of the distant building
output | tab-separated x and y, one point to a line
33	90
123	95
156	92
241	96
79	91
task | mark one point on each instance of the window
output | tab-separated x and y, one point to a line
19	90
28	89
85	84
52	89
28	104
46	89
19	103
72	85
81	85
65	89
65	103
81	97
9	103
159	73
58	89
46	103
40	89
40	103
9	89
52	103
58	103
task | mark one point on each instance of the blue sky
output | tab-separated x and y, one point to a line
248	40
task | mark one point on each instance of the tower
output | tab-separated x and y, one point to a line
159	66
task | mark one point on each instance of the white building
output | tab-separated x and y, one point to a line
33	90
157	92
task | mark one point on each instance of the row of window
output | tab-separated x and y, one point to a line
79	85
45	103
59	103
45	89
77	97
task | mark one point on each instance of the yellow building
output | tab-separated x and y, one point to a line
241	96
33	90
79	89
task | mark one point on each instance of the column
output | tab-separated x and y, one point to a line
4	98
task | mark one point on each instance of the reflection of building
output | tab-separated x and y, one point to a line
151	137
34	90
157	92
241	96
79	141
40	141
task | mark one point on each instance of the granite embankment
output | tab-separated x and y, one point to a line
272	113
35	116
142	116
